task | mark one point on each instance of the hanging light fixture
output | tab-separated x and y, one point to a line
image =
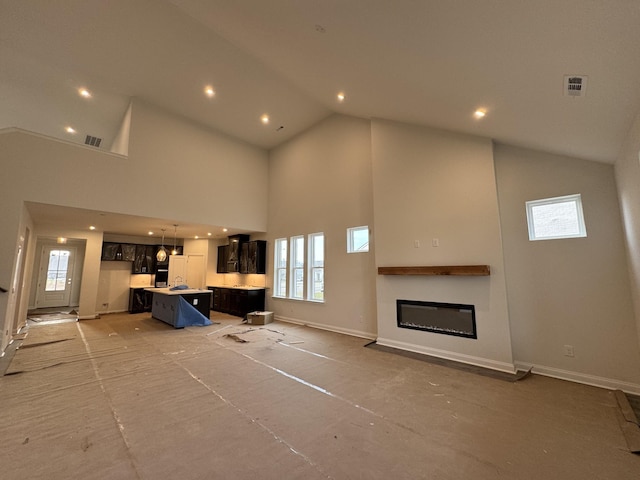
175	232
161	255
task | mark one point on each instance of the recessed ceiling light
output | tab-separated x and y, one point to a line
209	233
265	119
69	129
225	230
91	227
209	91
341	97
196	237
150	233
84	93
480	113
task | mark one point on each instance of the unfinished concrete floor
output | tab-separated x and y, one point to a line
128	397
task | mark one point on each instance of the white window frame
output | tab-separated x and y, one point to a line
297	266
532	220
315	268
280	267
351	244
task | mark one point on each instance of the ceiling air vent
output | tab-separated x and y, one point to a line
575	85
93	141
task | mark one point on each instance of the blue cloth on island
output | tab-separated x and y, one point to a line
180	287
189	316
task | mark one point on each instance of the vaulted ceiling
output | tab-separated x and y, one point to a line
426	62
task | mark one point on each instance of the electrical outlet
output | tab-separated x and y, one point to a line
568	351
416	244
435	242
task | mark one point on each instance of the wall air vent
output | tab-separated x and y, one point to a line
93	141
575	85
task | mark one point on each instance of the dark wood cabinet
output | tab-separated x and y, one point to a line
125	252
253	257
145	261
257	257
140	300
223	253
234	252
237	301
242	256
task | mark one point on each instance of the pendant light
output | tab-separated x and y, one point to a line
175	232
161	255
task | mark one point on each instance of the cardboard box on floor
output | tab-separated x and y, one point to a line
259	318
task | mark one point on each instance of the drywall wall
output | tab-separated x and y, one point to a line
431	184
627	169
320	181
570	291
192	174
113	287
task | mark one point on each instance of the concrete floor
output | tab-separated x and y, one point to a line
128	397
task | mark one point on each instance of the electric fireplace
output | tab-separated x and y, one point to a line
445	318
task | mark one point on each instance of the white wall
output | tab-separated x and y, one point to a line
113	287
570	291
431	184
627	169
320	181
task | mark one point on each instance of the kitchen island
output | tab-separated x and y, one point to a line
168	306
237	300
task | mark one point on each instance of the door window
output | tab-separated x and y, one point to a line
57	271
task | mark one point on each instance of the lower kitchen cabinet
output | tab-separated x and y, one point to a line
140	300
237	301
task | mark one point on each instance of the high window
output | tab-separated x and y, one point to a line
558	217
358	239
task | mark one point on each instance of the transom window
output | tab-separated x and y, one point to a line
558	217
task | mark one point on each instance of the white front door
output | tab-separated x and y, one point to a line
54	277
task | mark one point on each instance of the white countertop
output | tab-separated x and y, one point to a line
168	291
238	287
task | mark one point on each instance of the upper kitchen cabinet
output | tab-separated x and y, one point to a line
235	249
253	257
223	254
125	252
145	261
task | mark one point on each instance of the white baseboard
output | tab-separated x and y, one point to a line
456	357
330	328
586	379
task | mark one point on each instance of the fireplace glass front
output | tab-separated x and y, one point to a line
446	318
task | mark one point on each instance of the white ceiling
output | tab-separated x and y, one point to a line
425	62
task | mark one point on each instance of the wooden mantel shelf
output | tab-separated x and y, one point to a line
466	270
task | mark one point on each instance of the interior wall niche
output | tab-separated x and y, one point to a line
445	318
